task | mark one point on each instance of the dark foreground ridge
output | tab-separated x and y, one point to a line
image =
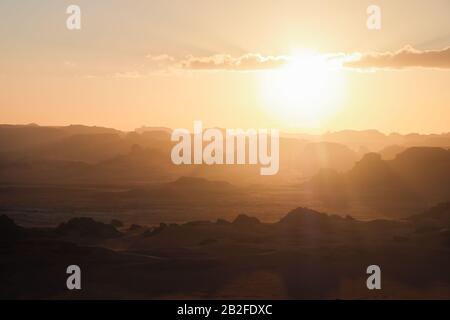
307	254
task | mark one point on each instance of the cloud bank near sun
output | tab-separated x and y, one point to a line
218	62
407	57
251	61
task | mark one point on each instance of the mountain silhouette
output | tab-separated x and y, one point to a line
418	176
287	259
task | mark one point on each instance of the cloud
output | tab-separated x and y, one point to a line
164	64
161	58
405	58
218	62
248	62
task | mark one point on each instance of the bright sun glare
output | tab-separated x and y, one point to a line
305	92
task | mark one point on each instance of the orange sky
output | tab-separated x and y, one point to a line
137	63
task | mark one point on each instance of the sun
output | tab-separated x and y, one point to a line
305	92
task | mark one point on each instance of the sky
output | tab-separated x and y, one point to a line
288	64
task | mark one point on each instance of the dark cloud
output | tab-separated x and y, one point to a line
404	58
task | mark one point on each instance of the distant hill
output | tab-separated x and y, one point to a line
327	155
372	139
96	155
435	217
23	137
390	152
82	228
153	129
184	189
418	176
375	141
90	148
